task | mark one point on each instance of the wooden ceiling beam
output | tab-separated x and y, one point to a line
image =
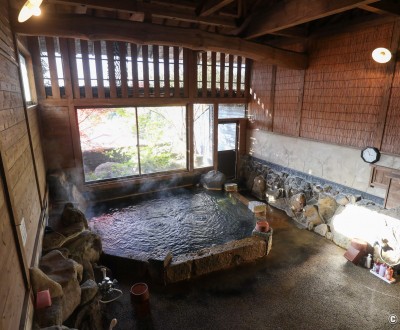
93	28
160	10
293	32
209	7
286	14
387	7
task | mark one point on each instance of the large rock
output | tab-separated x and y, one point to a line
60	235
86	246
40	281
312	217
213	180
89	289
88	316
321	229
68	274
327	207
72	215
62	189
259	187
50	316
297	202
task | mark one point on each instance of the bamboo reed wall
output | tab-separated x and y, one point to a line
342	98
391	136
288	91
261	106
21	192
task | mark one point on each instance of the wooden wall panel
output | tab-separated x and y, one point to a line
33	120
16	153
19	197
57	137
262	96
343	88
288	90
12	288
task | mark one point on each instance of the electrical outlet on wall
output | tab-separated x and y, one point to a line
22	229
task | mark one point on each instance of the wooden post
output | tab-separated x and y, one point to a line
166	72
55	88
66	68
135	82
86	69
213	74
230	79
239	77
156	62
33	45
176	71
222	75
99	70
204	74
145	54
74	71
124	73
111	69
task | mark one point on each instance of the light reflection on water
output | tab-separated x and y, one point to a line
181	221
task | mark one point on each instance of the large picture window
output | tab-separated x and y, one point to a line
122	142
203	128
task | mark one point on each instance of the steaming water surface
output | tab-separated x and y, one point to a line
181	221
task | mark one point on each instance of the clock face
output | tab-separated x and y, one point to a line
370	155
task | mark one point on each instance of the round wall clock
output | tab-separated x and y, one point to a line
370	155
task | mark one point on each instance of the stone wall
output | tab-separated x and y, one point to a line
339	164
334	211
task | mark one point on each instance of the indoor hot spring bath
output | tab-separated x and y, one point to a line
186	230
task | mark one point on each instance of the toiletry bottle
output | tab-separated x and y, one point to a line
389	273
369	261
382	270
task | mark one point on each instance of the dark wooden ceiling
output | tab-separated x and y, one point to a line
247	26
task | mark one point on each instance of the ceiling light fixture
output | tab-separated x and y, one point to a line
381	55
31	7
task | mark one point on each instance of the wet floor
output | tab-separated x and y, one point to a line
304	283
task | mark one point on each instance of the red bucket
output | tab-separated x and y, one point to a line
262	226
140	300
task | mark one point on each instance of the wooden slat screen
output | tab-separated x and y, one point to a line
110	69
220	75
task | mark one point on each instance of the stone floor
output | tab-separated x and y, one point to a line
304	283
